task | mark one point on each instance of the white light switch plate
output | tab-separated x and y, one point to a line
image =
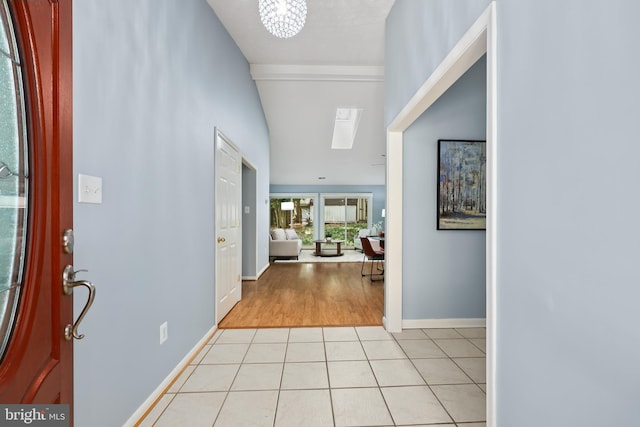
89	189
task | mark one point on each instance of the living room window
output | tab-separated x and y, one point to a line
344	215
297	212
338	215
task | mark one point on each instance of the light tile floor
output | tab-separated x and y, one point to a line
339	376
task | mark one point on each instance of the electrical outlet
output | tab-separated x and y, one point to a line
164	332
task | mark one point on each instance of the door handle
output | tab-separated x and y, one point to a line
221	240
68	283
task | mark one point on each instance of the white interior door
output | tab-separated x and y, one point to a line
228	200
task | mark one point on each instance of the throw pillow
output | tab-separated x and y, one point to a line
278	234
291	234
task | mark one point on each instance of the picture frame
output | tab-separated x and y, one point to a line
462	188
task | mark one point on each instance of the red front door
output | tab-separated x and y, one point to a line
35	202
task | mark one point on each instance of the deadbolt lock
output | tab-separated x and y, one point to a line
67	241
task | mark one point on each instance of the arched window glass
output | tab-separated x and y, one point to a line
14	181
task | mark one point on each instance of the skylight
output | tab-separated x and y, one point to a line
345	128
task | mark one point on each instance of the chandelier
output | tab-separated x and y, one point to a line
283	18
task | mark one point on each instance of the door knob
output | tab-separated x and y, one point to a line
221	239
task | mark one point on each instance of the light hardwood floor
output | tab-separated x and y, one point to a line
308	294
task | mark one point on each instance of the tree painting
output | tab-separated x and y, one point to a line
462	190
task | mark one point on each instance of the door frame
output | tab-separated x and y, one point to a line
250	240
479	40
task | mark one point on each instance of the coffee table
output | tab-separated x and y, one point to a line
325	253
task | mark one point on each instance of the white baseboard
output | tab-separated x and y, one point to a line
443	323
164	385
266	267
254	278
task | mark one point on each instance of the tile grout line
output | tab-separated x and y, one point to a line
163	410
166	392
425	380
326	362
386	404
454	362
226	396
330	388
473	381
284	365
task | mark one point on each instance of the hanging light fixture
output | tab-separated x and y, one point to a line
283	18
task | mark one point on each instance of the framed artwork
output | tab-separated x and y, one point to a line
462	189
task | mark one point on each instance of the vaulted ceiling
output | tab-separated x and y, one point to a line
337	60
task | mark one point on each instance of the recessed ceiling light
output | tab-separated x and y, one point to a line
345	127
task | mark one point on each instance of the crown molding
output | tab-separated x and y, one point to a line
345	73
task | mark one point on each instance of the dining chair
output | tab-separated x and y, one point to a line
375	256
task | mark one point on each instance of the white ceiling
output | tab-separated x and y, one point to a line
337	60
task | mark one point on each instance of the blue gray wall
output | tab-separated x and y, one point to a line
443	270
567	276
420	35
569	283
151	81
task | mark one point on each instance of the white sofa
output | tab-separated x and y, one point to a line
284	244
